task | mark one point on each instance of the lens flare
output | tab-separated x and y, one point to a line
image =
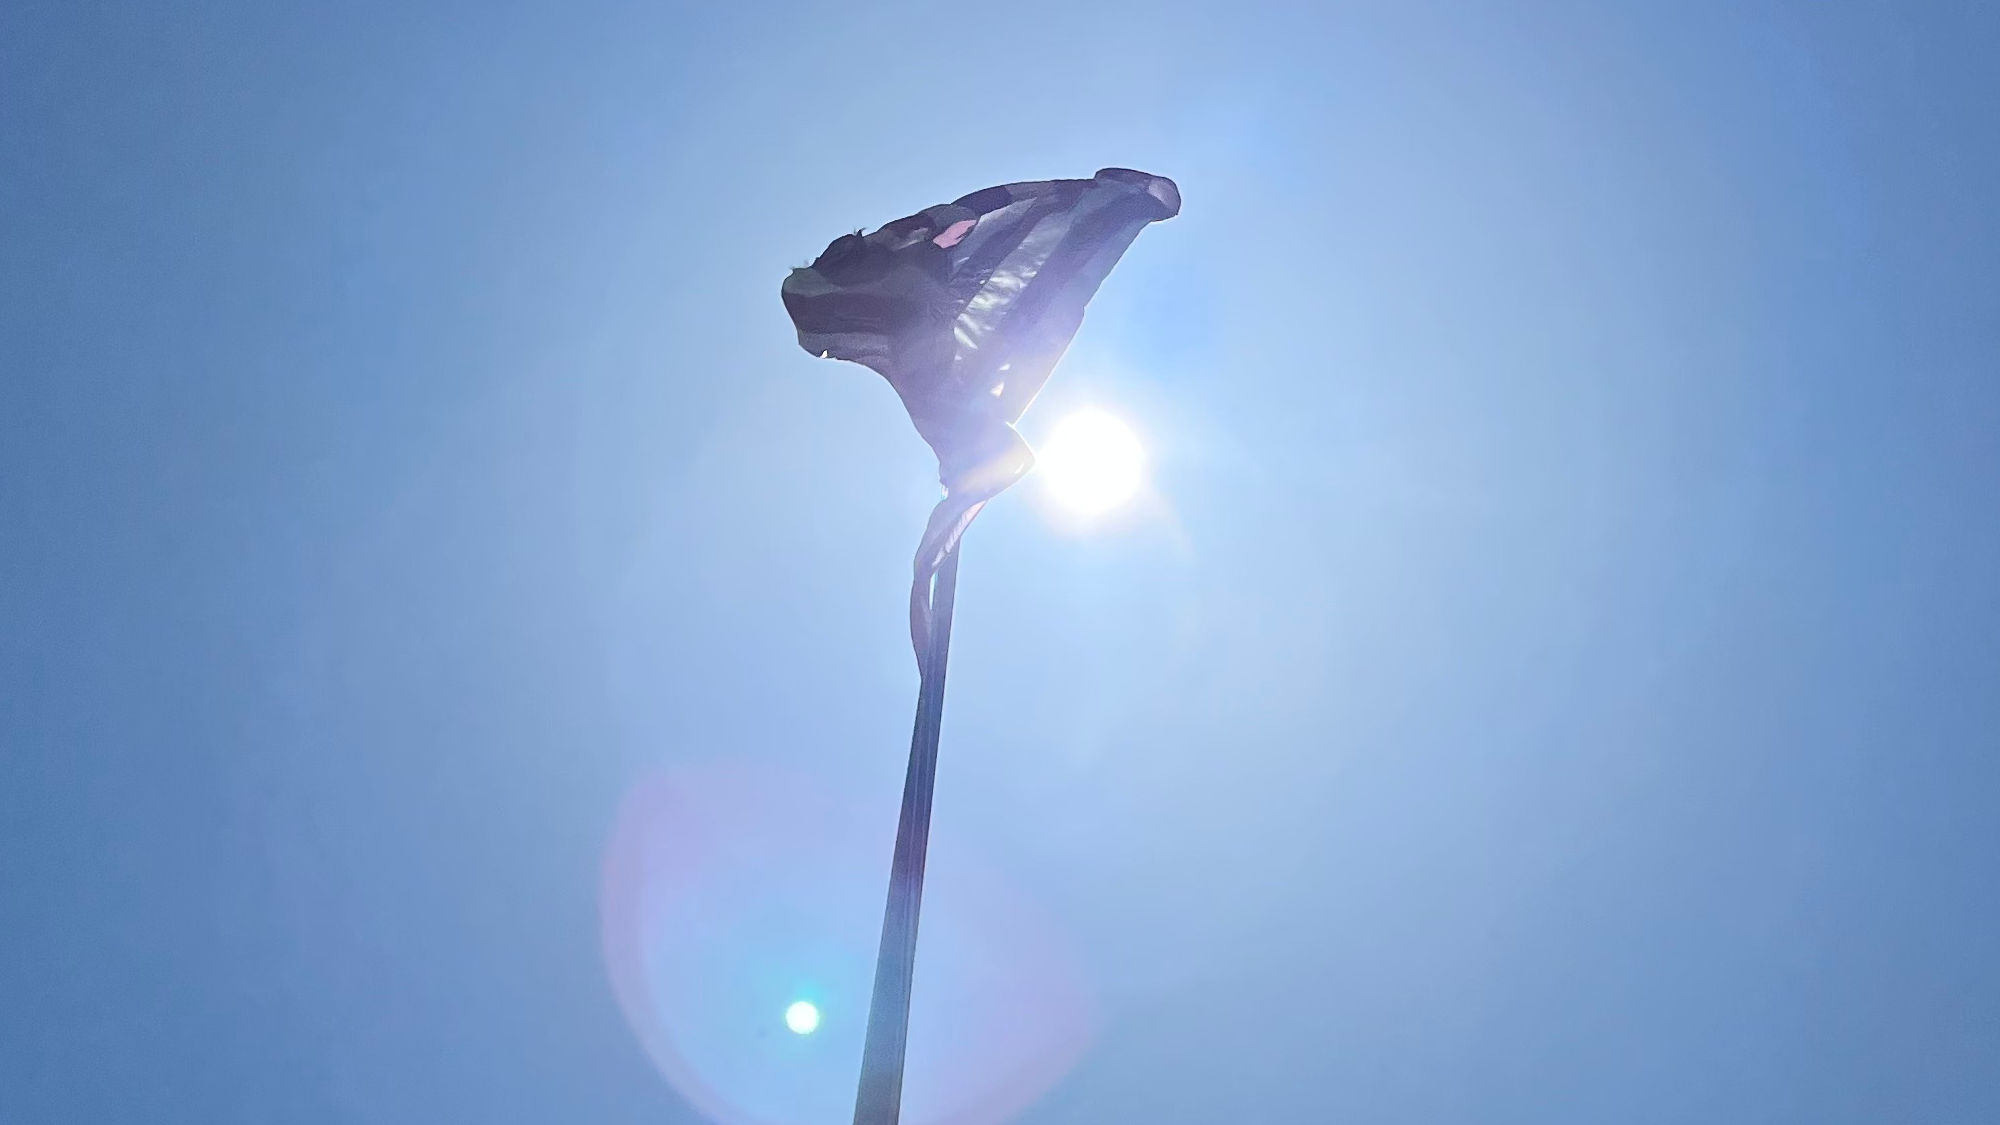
802	1017
736	893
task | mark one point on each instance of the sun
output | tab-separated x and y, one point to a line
1092	462
802	1017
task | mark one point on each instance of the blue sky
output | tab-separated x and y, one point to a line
1552	680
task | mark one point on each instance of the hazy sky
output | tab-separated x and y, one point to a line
1555	677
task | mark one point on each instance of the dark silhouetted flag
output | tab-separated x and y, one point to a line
965	308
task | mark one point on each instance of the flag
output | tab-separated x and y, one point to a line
965	308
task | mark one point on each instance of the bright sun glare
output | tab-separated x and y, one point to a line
802	1017
1092	462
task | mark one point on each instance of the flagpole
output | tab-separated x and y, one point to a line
878	1099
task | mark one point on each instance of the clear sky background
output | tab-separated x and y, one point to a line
1555	678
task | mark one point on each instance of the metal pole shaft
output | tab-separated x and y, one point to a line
878	1101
